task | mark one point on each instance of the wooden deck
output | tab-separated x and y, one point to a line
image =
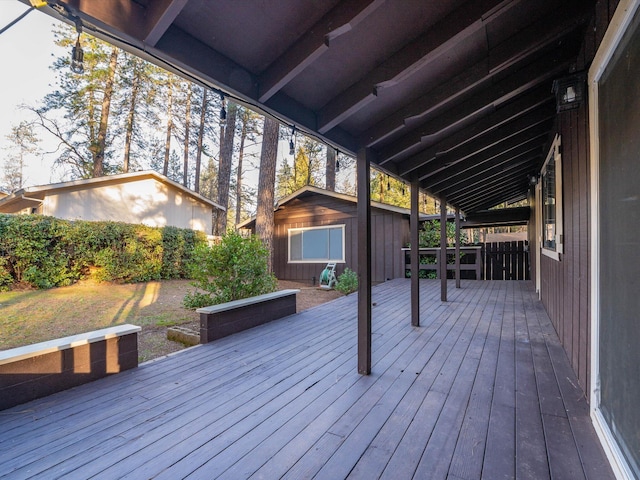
481	390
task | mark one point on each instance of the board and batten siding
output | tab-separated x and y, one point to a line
389	230
147	201
565	284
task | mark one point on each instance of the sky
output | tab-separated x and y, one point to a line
26	50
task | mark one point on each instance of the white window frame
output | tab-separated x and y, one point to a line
322	227
622	18
554	153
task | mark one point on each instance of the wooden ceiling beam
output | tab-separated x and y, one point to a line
317	40
445	162
160	15
507	113
539	72
512	135
412	58
526	43
491	193
474	170
528	159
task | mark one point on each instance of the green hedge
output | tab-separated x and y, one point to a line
47	252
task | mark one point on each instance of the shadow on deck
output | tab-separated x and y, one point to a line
481	390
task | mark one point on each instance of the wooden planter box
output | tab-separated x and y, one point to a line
38	370
219	321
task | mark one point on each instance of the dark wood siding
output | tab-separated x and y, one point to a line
389	233
565	284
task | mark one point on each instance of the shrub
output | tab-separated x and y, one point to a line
233	269
347	282
47	252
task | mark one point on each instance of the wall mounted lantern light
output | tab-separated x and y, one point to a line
569	91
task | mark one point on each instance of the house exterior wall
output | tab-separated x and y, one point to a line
565	284
146	201
389	230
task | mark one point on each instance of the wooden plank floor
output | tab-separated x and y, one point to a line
481	390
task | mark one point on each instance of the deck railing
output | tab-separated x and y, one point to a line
487	261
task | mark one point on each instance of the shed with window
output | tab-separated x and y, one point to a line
313	227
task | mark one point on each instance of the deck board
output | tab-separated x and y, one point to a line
482	389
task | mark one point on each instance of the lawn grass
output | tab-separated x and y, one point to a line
32	316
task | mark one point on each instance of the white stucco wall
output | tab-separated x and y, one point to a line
145	201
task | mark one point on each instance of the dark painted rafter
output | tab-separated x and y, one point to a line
417	55
507	113
542	71
442	163
161	14
316	41
525	44
477	172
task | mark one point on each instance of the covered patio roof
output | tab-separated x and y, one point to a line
456	95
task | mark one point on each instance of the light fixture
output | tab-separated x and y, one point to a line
569	91
223	111
292	145
77	55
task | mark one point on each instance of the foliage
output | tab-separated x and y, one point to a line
347	282
233	269
430	234
46	252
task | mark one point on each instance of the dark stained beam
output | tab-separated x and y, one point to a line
313	44
160	16
486	159
415	56
510	112
478	184
447	161
493	186
461	182
363	171
499	216
537	73
443	249
505	139
546	31
125	19
187	53
493	193
415	254
505	196
528	42
457	244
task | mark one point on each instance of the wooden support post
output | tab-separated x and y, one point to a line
364	261
415	254
457	247
443	249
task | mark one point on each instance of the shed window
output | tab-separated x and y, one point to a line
316	244
552	202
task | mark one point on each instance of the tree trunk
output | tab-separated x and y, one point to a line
98	164
203	116
187	127
266	185
330	183
243	136
167	142
224	171
135	88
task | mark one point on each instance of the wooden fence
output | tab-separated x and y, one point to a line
505	261
489	261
